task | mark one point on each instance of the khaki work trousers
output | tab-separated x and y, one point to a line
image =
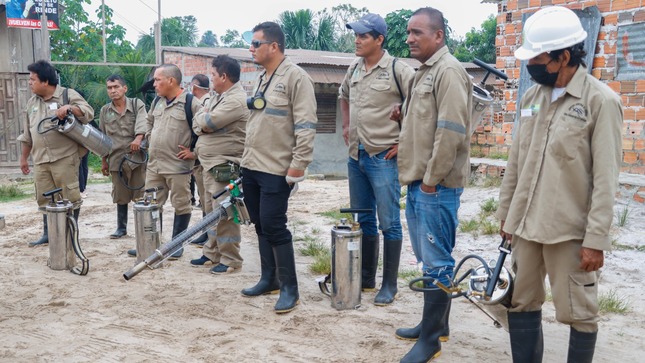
223	245
62	173
177	185
574	291
204	196
134	177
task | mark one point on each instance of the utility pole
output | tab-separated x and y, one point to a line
45	52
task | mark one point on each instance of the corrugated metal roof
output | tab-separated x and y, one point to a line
298	56
630	52
323	67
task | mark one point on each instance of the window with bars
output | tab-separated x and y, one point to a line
326	113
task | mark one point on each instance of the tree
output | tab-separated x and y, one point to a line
232	39
178	31
480	43
209	39
344	14
305	30
397	34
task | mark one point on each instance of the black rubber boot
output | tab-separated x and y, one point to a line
121	221
369	261
391	259
44	239
286	268
525	329
581	346
428	346
268	283
413	333
180	223
203	238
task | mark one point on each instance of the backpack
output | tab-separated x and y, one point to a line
188	110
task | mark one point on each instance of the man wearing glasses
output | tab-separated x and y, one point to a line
278	148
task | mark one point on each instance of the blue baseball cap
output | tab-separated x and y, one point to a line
367	23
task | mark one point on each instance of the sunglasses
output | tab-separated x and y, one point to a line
258	43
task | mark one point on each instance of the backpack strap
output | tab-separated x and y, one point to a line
396	80
188	110
66	96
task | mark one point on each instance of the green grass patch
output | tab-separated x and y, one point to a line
489	206
611	302
410	274
471	225
498	155
623	247
313	248
103	180
336	215
322	263
622	216
12	192
489	227
476	152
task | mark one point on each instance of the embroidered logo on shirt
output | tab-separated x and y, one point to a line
280	88
383	75
577	111
429	80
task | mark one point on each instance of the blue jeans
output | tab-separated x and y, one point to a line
374	184
432	221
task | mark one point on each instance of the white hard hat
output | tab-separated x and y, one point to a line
549	29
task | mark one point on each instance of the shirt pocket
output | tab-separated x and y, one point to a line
277	106
425	105
527	126
567	138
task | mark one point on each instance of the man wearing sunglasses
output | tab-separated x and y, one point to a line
278	148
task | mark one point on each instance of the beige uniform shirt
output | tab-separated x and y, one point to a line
122	128
167	128
282	135
52	145
204	99
371	95
434	145
563	167
226	119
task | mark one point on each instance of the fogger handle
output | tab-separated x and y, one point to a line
52	192
504	250
490	70
355	210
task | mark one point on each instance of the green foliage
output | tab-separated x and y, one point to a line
232	39
489	206
471	225
178	31
344	14
480	43
622	216
610	302
489	227
322	263
498	155
408	275
312	248
476	152
209	39
397	25
11	192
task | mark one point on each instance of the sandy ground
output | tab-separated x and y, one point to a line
185	314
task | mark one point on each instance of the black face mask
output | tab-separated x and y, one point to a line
540	75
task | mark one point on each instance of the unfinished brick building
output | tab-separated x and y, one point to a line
618	59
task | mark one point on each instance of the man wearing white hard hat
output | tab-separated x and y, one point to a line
557	197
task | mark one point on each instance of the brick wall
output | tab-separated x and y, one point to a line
495	136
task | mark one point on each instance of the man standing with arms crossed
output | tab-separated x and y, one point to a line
373	84
55	156
434	149
557	196
221	129
278	149
124	121
169	134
